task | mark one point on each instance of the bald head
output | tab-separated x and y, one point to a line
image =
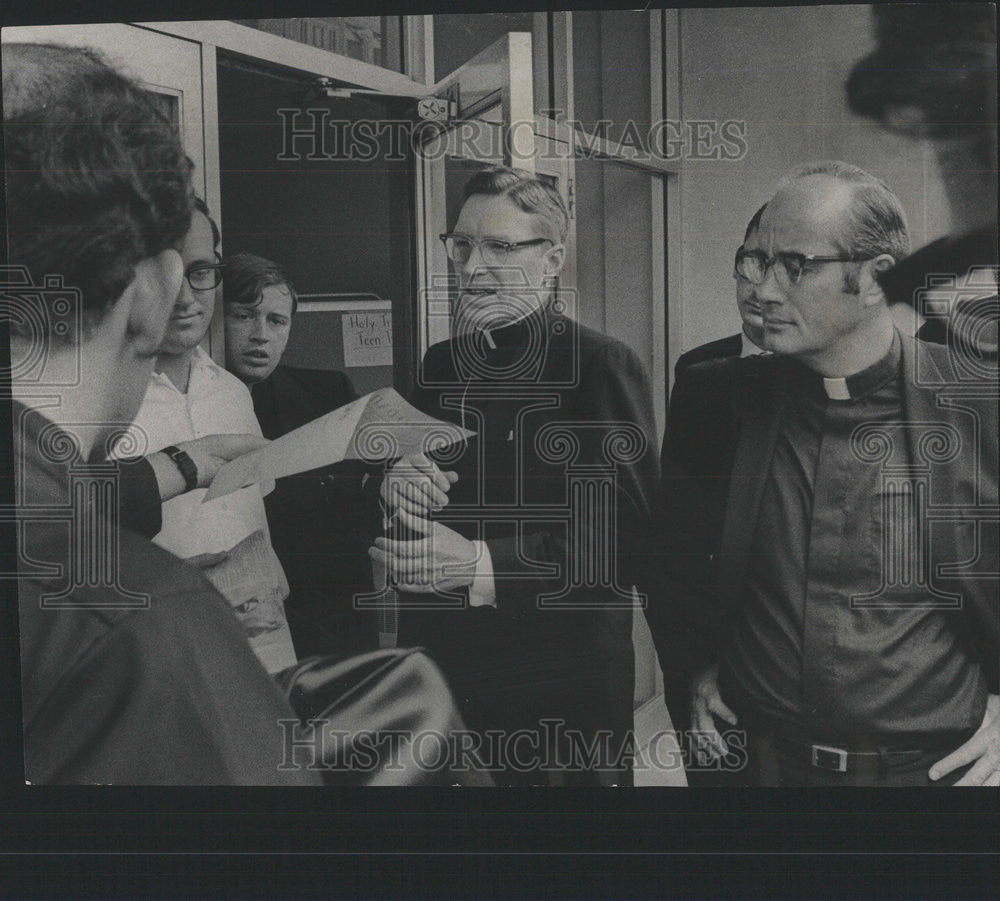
821	200
872	221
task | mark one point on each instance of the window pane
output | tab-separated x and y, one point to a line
371	39
169	105
458	38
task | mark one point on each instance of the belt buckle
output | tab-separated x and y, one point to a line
826	758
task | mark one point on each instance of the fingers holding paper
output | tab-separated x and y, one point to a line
416	485
207	561
209	453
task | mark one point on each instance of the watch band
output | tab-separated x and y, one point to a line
185	464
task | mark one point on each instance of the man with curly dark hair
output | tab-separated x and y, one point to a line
127	677
134	669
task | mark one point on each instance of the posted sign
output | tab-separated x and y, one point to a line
368	338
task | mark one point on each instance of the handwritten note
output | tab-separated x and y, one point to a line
379	426
251	569
367	338
252	580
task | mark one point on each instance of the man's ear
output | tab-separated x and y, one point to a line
554	259
151	296
870	289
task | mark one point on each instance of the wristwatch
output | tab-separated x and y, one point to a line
185	464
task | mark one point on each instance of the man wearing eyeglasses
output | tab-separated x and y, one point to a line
848	641
189	397
534	622
750	340
693	439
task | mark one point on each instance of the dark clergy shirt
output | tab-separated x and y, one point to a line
803	659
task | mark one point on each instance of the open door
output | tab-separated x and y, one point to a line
293	190
488	120
168	66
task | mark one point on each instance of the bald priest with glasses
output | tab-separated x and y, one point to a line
846	629
513	555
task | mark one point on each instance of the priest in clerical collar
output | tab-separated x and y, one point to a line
838	648
514	569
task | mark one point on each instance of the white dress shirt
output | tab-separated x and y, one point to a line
216	403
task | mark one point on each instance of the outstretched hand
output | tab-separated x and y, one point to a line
209	453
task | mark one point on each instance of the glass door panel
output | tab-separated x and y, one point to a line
492	123
168	66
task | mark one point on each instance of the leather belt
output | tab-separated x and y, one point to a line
843	760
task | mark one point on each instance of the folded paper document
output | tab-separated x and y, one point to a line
252	580
379	426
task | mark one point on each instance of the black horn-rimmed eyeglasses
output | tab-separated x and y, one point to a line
205	276
460	247
788	266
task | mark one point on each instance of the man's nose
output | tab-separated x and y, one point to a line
475	265
185	297
769	291
258	332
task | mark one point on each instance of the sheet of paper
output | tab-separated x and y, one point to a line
251	569
318	443
376	427
252	580
389	427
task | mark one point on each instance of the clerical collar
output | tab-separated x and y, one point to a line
509	333
749	349
861	383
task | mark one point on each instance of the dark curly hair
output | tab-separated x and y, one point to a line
97	180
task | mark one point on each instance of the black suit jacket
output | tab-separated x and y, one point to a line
713	350
318	526
682	556
723	420
553	402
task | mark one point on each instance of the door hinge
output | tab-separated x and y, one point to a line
441	108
